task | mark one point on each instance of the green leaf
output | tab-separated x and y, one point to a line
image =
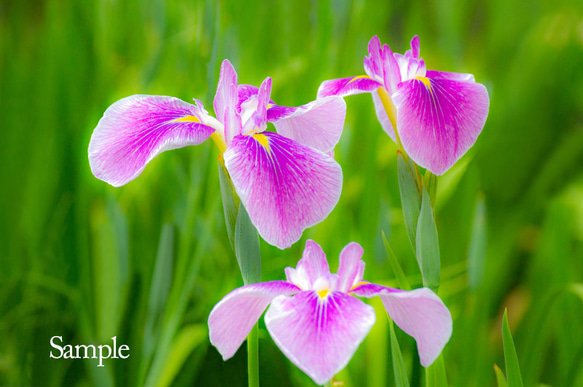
435	373
399	370
510	358
477	249
247	248
231	202
396	266
427	243
430	183
500	378
410	195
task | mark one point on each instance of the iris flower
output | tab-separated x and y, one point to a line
286	180
316	322
436	116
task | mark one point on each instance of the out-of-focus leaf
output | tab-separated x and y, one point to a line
477	248
435	373
247	248
430	183
401	379
500	378
427	243
511	360
410	196
396	266
377	347
230	202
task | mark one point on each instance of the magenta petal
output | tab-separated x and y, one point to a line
318	124
285	186
319	335
415	47
439	122
420	313
232	318
135	129
351	268
347	86
226	100
255	108
460	77
313	262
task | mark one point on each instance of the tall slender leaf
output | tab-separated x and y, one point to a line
435	374
399	370
477	249
428	244
500	378
397	269
410	196
512	368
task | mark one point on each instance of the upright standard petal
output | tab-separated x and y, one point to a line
319	334
318	124
348	86
226	100
420	313
254	107
135	129
285	186
232	318
351	267
439	119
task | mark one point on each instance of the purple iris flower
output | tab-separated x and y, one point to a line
287	180
316	322
438	115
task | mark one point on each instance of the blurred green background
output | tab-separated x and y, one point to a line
146	262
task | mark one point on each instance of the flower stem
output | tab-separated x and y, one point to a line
253	358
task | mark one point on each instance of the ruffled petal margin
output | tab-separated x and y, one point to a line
317	124
439	119
232	318
319	335
135	129
420	313
285	186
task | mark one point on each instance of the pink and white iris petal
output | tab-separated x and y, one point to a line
373	63
460	77
348	86
232	318
319	335
382	116
391	72
439	122
317	124
312	266
420	313
254	109
351	267
226	100
285	186
135	129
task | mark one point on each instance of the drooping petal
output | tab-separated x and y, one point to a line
348	86
439	119
319	335
420	313
318	124
285	186
226	100
135	129
232	318
351	267
460	77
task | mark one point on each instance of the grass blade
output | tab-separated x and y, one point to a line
427	243
510	358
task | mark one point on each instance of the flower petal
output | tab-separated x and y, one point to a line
254	109
312	266
226	100
232	318
285	186
351	268
420	313
373	63
348	86
135	129
439	119
460	77
318	124
319	335
382	116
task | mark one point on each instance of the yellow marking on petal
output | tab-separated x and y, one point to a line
426	82
358	284
323	293
187	119
269	105
359	77
263	140
391	111
219	142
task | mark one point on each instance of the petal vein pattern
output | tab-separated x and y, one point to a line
286	187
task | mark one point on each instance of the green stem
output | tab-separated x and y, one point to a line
253	358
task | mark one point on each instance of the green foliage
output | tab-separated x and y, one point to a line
146	262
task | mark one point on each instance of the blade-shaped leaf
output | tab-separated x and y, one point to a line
399	370
410	196
231	202
477	249
247	248
430	183
512	369
397	269
427	243
435	373
500	378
